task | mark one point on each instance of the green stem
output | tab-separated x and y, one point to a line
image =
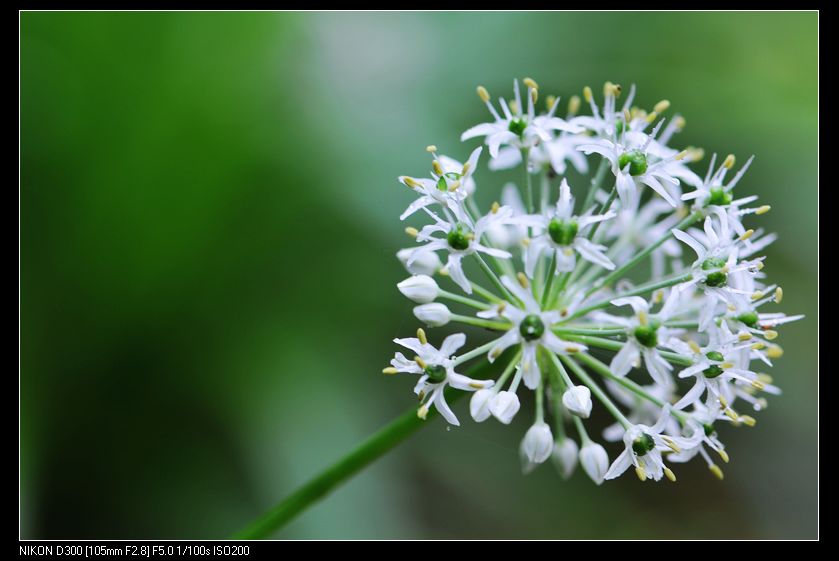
550	281
463	300
595	389
360	457
525	154
642	254
496	281
611	345
637	291
479	322
485	293
595	184
603	208
604	371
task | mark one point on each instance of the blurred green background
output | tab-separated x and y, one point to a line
208	226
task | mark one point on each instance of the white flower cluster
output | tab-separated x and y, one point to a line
596	295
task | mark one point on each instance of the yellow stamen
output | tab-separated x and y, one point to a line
746	235
695	154
744	336
642	475
495	353
775	351
501	307
652	117
642	318
662	106
723	454
525	242
670	475
411	182
431	148
483	94
522	280
421	336
763	209
465	169
444	271
770	334
732	415
454	186
759	346
530	83
682	155
694	346
715	469
726	366
607	88
514	107
587	94
748	420
495	207
572	349
534	95
421	363
765	378
758	385
671	444
757	295
422	412
729	161
573	105
438	169
680	123
549	102
723	402
390	371
779	295
411	231
476	385
627	116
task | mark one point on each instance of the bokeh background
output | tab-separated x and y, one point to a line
208	227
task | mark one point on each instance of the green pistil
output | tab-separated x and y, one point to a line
637	161
563	232
531	327
719	197
435	373
647	335
459	238
517	127
643	444
717	278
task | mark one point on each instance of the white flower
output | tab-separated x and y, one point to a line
433	315
419	288
595	461
426	264
645	333
508	235
633	166
565	457
479	405
563	235
553	154
643	448
436	371
504	406
530	328
577	399
450	183
518	128
538	443
460	240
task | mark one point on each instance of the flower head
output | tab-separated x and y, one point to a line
550	272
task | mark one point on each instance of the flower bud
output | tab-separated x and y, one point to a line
577	399
504	406
565	457
419	288
538	443
595	461
479	406
433	315
426	264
